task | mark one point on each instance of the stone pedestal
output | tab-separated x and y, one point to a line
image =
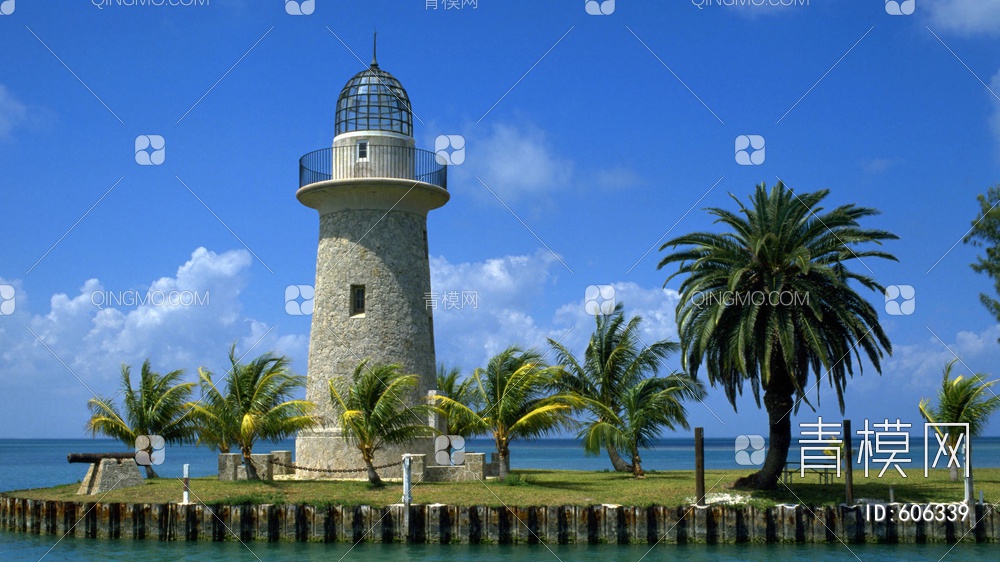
229	465
284	457
262	462
110	474
471	471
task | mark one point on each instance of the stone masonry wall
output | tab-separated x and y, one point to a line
387	253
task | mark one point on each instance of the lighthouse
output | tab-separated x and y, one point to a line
372	189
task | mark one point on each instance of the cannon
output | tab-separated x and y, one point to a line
91	458
107	471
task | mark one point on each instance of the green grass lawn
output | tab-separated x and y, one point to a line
542	487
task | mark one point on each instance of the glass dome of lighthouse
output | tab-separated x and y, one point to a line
374	100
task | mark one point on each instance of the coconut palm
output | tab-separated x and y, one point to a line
374	414
961	400
615	361
156	407
513	402
647	406
771	299
217	423
256	404
448	384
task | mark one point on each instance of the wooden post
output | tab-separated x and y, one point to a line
699	465
848	463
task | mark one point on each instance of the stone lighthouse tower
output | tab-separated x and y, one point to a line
373	189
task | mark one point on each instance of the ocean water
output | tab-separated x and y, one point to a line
36	463
40	463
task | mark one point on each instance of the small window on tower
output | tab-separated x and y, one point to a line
357	300
362	150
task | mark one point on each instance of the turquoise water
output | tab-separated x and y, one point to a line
21	547
39	463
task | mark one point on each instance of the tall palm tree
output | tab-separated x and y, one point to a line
256	404
156	407
373	414
513	401
961	400
647	407
615	361
770	300
450	385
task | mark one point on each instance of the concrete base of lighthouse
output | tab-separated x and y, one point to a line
327	448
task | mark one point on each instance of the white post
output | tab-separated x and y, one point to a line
186	487
407	497
407	477
969	489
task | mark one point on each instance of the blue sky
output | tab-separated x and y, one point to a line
599	134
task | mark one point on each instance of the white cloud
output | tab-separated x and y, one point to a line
509	289
966	17
504	288
179	322
12	112
514	161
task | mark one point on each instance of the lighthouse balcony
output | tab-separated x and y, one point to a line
372	161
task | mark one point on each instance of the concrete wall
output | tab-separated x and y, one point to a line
450	524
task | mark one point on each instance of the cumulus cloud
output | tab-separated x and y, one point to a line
515	161
62	356
509	289
967	17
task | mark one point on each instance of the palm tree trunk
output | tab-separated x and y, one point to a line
617	462
250	468
150	473
503	458
779	403
373	477
954	473
637	470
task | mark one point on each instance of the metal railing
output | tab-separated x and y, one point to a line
380	161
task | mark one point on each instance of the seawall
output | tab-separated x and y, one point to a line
438	523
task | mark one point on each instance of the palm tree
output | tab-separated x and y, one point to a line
961	400
771	299
373	414
256	404
646	407
448	384
217	423
512	401
615	361
157	407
